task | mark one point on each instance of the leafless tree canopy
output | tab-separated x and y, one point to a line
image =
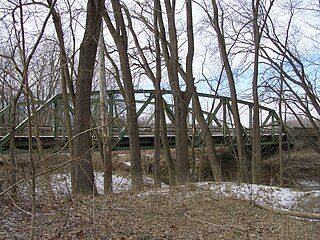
261	51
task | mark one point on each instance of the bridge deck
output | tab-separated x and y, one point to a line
146	141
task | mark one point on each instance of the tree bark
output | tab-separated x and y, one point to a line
158	99
65	78
157	139
121	40
13	162
106	145
181	99
211	151
256	142
166	147
88	50
160	121
242	158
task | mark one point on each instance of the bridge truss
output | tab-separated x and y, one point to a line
216	109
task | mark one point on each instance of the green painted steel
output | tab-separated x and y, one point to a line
216	109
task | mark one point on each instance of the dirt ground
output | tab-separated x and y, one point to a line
301	169
176	213
182	213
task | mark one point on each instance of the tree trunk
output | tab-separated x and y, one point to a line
256	142
166	147
181	100
106	148
181	139
157	140
159	110
210	145
133	128
65	79
13	163
88	49
120	38
211	151
158	99
242	158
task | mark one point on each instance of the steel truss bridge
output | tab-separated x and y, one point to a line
216	110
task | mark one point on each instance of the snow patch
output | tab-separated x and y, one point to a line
309	184
283	198
61	183
127	163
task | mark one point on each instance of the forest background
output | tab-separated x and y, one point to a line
260	51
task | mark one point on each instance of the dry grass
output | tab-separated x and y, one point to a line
181	213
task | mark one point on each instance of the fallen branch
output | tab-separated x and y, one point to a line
308	215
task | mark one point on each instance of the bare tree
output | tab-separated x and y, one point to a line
83	169
155	76
65	79
256	144
21	57
241	153
159	109
181	98
119	34
24	71
187	75
297	86
259	20
189	79
106	144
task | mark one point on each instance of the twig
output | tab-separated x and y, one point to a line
22	210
